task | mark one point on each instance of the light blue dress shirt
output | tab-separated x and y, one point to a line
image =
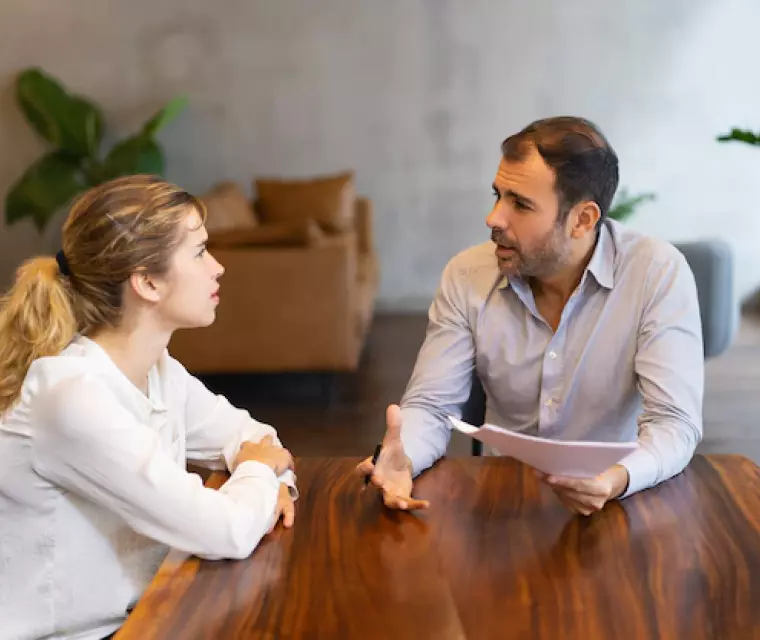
625	363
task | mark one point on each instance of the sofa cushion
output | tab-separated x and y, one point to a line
293	233
328	200
228	208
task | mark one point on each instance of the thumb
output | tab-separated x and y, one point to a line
393	423
267	440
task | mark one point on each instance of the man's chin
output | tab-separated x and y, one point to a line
508	266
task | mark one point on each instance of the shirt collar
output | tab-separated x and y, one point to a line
154	398
601	265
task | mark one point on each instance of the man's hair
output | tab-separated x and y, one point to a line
584	164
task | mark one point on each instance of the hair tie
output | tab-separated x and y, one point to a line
63	264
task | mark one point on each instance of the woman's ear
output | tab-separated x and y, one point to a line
144	286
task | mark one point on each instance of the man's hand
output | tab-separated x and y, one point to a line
393	472
285	508
587	495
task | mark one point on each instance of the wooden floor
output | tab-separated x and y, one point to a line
317	415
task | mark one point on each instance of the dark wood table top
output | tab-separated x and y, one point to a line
495	556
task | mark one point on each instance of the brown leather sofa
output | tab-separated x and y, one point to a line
300	279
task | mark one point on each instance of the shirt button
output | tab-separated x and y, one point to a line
549	402
552	354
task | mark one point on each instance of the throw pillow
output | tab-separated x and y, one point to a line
228	208
291	233
328	200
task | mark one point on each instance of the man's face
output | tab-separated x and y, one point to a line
530	242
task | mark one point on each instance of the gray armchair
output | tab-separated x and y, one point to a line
711	261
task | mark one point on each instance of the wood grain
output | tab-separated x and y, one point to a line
496	556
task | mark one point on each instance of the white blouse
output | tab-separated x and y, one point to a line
94	489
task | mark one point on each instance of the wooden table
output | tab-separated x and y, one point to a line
495	556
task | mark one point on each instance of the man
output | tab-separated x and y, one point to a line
578	327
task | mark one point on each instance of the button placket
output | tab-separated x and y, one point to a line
551	383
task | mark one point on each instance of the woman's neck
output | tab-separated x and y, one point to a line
133	352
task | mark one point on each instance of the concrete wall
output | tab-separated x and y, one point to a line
415	95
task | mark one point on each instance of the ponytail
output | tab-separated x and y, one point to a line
37	319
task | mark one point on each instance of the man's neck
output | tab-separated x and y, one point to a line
561	285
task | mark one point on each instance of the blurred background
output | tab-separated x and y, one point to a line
392	113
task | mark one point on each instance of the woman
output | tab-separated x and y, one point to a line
97	420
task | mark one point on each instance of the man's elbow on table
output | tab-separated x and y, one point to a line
663	453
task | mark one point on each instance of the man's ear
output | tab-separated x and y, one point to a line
144	286
583	218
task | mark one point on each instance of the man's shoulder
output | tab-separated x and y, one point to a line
477	259
636	249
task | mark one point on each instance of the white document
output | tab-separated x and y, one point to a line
555	457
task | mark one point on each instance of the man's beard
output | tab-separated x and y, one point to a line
544	259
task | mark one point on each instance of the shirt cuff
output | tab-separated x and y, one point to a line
255	469
289	478
230	452
416	436
642	471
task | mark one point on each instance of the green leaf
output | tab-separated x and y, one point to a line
137	154
625	206
740	135
164	116
46	187
70	122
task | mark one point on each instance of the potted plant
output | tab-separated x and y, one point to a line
73	128
739	135
624	205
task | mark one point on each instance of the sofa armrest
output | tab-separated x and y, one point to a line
364	220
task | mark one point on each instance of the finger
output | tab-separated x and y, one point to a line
395	500
267	440
365	467
592	503
574	506
288	515
580	503
393	423
581	485
413	504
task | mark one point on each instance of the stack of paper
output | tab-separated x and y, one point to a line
555	457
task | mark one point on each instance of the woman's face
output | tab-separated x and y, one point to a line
189	293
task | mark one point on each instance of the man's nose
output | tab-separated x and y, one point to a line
498	218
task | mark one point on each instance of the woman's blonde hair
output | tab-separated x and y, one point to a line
113	230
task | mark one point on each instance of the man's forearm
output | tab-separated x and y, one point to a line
664	451
424	436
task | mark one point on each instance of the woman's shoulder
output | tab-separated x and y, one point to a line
69	375
79	360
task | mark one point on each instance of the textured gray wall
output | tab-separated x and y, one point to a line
415	95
